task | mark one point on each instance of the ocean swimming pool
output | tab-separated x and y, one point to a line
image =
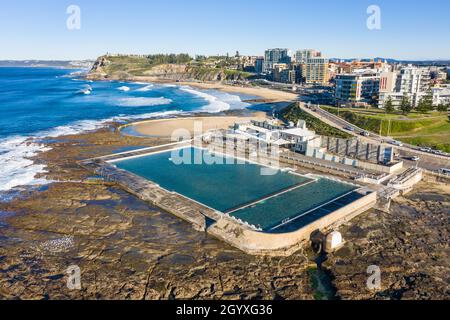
237	188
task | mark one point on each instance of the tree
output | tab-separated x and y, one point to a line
389	107
426	103
406	106
443	108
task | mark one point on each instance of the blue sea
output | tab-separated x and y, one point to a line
37	103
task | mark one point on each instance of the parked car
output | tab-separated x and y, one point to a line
365	134
349	129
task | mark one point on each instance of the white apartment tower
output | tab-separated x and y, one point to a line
409	81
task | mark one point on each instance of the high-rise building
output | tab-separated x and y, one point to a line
274	56
302	56
412	82
388	81
259	64
315	71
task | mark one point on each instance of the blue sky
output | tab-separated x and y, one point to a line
410	29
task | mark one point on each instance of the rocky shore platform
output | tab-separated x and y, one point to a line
127	249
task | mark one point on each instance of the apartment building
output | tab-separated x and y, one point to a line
315	71
441	95
302	56
357	89
275	56
410	81
259	64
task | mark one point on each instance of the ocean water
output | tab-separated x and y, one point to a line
36	103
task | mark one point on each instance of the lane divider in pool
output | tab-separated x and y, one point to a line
270	196
285	222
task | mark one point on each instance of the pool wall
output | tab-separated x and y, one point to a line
285	244
187	209
222	227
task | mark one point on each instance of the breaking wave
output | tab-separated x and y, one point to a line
218	102
146	88
18	170
124	88
143	102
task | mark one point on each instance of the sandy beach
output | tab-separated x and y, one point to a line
264	93
166	127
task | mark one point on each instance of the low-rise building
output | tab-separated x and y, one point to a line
301	137
294	137
441	95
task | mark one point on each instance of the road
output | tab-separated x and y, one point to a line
428	161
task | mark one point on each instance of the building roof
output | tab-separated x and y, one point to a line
299	132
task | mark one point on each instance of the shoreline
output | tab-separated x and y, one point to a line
270	95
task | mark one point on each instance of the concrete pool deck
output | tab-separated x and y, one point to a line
235	232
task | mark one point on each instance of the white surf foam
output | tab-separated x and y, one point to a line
86	90
18	170
143	102
124	88
146	88
217	101
214	104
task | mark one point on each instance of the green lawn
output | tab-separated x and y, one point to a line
428	130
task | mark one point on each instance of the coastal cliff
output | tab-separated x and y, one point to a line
139	67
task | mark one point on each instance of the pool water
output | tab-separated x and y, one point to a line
229	185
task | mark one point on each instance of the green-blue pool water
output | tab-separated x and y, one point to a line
227	186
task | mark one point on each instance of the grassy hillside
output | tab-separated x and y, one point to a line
429	130
175	67
294	113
